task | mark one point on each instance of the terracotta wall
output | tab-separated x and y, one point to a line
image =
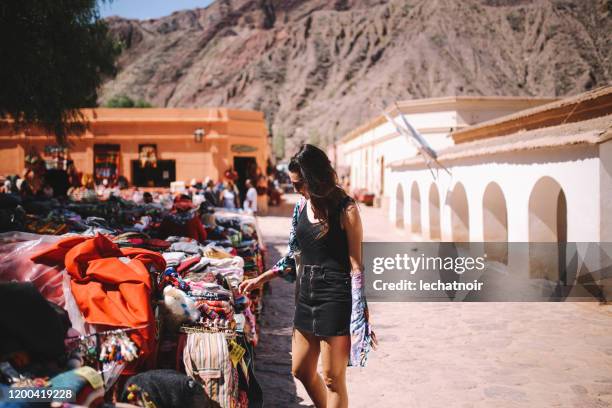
11	158
170	129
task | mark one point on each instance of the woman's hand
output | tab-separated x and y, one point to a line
249	285
373	339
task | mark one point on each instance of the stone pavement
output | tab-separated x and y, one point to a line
449	355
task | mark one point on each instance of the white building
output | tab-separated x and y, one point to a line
540	175
367	150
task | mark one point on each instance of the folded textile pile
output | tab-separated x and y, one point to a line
111	285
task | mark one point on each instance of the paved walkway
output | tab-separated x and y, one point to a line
450	355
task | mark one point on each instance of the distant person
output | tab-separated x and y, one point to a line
229	196
122	182
10	184
250	201
270	170
183	221
87	192
59	180
34	175
262	185
274	195
6	187
147	198
74	177
209	193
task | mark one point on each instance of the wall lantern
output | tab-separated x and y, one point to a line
198	135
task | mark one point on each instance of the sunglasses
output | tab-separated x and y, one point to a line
298	184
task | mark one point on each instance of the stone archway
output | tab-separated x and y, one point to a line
434	212
547	223
460	218
399	206
415	209
495	223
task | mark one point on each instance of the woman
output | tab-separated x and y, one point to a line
229	195
209	193
86	192
34	175
326	229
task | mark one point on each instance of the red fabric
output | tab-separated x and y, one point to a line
108	291
192	229
196	230
183	203
188	263
158	243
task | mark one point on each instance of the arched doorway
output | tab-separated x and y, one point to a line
547	223
495	223
434	212
415	208
460	218
399	207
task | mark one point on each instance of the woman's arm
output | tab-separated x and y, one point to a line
285	266
354	232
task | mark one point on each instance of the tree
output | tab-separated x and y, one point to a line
314	138
278	144
55	54
123	101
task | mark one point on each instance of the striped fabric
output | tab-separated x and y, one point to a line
207	360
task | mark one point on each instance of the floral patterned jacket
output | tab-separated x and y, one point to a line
286	267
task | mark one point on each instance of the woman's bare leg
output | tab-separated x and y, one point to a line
305	351
334	359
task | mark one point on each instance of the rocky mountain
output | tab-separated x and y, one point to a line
319	68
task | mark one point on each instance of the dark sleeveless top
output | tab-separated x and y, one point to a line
329	251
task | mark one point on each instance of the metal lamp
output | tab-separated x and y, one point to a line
198	135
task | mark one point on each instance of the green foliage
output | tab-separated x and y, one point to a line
406	8
142	104
55	54
314	138
438	40
123	101
516	19
278	144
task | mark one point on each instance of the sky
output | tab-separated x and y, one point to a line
145	9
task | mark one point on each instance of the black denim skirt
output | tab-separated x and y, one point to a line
323	305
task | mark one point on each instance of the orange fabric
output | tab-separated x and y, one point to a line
55	255
107	290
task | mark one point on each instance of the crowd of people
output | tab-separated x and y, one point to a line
39	183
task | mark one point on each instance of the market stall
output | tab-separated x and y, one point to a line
127	309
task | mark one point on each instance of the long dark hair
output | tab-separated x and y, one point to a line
317	172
